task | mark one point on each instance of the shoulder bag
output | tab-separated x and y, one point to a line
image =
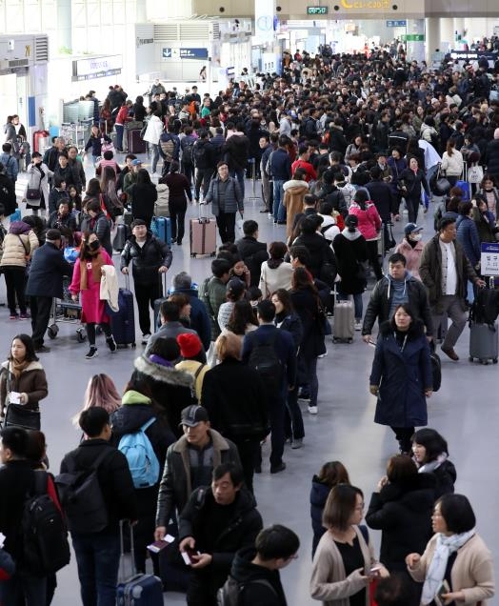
17	415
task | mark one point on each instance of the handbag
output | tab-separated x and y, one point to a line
475	173
34	196
18	415
439	184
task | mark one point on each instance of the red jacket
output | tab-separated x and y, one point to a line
307	167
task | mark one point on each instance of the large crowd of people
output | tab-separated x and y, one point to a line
344	146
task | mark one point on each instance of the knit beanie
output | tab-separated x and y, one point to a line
190	344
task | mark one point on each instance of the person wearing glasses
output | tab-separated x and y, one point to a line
344	563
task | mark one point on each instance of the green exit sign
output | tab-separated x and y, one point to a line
317	10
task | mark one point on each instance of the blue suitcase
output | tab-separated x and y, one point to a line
123	320
465	186
139	589
161	227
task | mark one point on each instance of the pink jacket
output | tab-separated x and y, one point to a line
413	256
369	220
93	309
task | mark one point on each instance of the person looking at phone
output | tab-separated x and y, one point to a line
217	521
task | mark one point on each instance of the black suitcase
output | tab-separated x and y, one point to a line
136	145
157	304
121	236
123	321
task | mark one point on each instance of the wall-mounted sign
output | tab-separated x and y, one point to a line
97	67
413	37
399	23
185	53
317	10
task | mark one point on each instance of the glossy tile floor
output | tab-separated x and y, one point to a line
465	410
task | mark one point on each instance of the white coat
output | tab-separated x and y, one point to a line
36	182
154	130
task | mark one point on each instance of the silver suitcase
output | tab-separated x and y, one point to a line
344	322
484	343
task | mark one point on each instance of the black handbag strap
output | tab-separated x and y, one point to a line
24	245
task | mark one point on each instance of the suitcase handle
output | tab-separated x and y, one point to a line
122	570
202	218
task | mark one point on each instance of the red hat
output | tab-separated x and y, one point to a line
190	344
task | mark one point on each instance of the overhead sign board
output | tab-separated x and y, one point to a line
185	53
394	23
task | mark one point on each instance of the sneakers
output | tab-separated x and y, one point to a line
358	326
278	468
145	338
303	396
24	316
295	444
92	353
312	410
13	316
111	343
42	349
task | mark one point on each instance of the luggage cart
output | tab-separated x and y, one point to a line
66	310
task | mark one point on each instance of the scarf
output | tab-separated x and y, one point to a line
16	367
97	261
446	546
432	465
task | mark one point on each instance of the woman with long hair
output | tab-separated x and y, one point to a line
101	391
87	275
369	224
413	181
179	192
305	300
108	188
276	272
144	195
23	384
431	455
452	163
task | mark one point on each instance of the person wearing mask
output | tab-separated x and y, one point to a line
401	376
392	290
444	270
86	282
350	249
96	222
226	198
412	248
150	258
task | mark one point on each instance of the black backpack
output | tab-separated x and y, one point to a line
82	498
199	152
230	593
187	145
264	360
44	532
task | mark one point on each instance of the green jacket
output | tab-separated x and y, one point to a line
213	294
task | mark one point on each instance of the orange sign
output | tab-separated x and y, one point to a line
366	4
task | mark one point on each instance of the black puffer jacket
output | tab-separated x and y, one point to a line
403	513
318	497
146	259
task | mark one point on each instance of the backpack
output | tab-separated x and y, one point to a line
230	593
199	153
142	460
44	533
205	296
167	143
264	360
187	145
81	497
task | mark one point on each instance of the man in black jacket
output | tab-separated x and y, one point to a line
252	252
257	568
397	288
98	553
150	258
216	522
45	283
204	161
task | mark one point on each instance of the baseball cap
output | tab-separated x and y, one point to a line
136	162
412	228
194	414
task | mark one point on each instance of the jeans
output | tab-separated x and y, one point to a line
15	281
278	209
155	156
413	208
452	306
309	366
119	136
145	295
203	176
226	223
40	317
239	175
24	589
98	560
357	302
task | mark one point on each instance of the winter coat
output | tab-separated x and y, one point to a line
154	130
453	165
144	195
32	381
204	155
146	259
350	254
319	493
271	279
70	174
468	237
445	476
46	273
246	573
161	207
486	225
335	196
369	220
294	193
172	389
200	320
18	245
232	201
213	293
337	141
176	484
472	571
414	183
101	227
397	167
235	398
239	531
37	180
384	200
402	378
253	253
95	143
8	193
306	306
412	255
320	251
381	300
279	165
291	324
178	187
430	270
402	511
93	308
491	159
236	152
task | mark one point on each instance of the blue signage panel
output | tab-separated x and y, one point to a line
185	53
399	23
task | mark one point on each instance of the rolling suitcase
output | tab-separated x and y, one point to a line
465	186
135	144
344	322
127	218
161	227
484	343
123	320
157	303
121	236
203	235
139	589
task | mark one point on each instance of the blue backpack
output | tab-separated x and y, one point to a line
142	460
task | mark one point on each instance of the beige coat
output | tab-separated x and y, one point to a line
14	253
472	571
294	192
329	582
